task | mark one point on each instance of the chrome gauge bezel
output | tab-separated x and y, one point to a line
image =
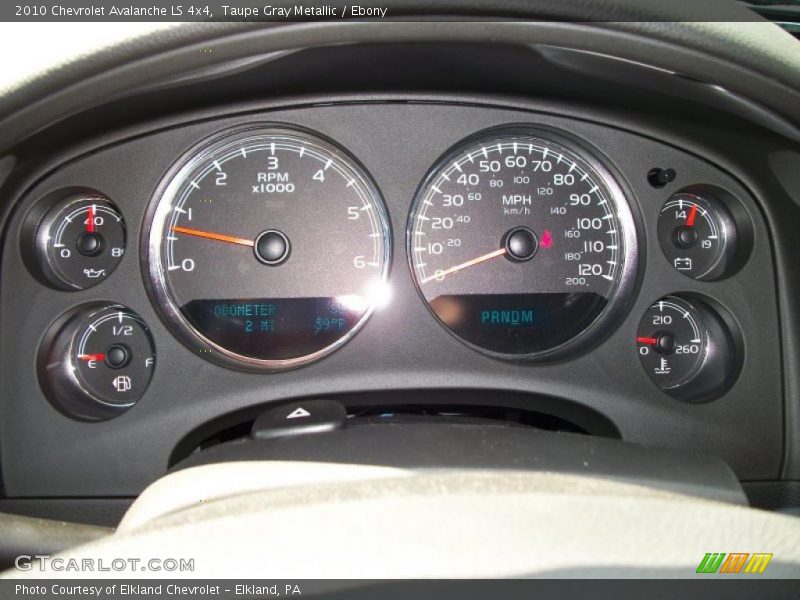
79	338
718	215
693	314
625	282
153	235
715	370
51	221
59	374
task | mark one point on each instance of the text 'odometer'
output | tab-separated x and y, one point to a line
268	248
520	243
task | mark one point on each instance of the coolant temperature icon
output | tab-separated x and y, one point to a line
662	368
686	349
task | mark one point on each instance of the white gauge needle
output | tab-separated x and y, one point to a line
469	263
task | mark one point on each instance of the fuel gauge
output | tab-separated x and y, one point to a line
698	235
686	349
97	361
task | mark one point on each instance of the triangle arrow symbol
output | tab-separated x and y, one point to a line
298	413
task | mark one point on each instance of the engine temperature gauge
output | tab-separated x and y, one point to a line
97	361
80	241
686	349
698	235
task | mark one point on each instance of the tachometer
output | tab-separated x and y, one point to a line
268	247
521	243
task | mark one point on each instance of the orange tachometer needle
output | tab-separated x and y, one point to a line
213	236
469	263
692	216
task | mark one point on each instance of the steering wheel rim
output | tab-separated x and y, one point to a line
719	42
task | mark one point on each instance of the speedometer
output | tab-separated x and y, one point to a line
521	243
267	248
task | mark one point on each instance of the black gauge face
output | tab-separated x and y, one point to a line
672	341
113	356
96	361
687	349
268	248
697	235
521	245
80	241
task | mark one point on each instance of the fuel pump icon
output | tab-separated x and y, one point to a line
122	383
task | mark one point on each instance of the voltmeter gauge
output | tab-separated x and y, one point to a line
686	349
80	241
97	361
698	235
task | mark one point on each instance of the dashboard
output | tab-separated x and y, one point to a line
556	244
602	267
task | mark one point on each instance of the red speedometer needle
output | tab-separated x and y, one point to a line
692	215
646	340
469	263
210	235
88	357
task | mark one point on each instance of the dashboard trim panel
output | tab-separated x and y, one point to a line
108	459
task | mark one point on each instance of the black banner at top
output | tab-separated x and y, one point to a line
375	10
204	10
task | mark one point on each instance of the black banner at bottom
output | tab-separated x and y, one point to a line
349	589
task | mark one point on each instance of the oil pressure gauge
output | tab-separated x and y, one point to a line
698	235
686	348
80	241
97	361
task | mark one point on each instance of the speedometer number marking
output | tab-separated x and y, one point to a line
519	231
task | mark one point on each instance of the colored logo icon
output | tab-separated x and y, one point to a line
735	562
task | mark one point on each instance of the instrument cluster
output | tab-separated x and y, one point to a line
267	246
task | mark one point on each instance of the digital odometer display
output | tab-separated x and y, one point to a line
520	244
268	248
